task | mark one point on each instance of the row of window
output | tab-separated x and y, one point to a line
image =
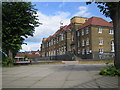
88	42
88	51
59	51
83	42
54	41
100	30
87	32
101	50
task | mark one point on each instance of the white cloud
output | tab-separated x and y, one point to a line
50	24
30	47
83	12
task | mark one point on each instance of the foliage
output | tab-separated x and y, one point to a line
8	62
107	8
110	70
19	21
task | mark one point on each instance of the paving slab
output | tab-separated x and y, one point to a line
57	76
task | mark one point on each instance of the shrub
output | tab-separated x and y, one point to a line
110	70
7	61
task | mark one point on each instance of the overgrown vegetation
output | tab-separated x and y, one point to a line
7	62
110	70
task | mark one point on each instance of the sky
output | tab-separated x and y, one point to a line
50	14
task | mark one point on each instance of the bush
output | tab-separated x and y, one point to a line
7	61
110	70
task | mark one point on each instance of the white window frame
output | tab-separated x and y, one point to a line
100	30
101	50
87	31
82	32
64	49
54	41
111	31
100	41
83	42
49	53
87	50
78	51
87	42
78	43
49	43
112	46
83	51
78	33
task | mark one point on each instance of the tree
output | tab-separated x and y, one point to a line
112	10
19	20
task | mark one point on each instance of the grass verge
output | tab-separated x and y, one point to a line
96	61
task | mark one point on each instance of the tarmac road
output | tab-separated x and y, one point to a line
57	76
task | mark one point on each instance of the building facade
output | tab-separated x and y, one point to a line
83	38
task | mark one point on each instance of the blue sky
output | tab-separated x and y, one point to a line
50	8
52	13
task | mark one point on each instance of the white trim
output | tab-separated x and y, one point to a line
111	31
100	30
101	50
100	41
82	32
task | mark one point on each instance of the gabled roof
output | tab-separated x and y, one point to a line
96	21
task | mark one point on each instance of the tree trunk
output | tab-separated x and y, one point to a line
116	24
10	54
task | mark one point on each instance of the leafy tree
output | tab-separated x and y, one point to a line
112	10
19	20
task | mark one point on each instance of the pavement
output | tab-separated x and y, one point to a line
57	76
